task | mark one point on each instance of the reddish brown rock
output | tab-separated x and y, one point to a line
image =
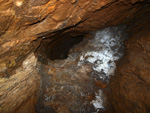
19	93
130	86
20	19
23	21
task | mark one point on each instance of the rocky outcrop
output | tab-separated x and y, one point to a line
131	83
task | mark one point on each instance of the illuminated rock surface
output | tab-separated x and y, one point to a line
27	26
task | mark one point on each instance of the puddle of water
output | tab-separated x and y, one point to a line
76	84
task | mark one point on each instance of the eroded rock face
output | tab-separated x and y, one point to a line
130	86
22	20
19	93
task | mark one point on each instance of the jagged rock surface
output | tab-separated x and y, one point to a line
131	83
21	21
19	92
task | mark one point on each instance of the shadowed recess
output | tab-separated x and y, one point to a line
57	46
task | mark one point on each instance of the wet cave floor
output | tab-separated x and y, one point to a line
74	81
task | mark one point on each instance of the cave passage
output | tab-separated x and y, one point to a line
75	75
56	56
57	47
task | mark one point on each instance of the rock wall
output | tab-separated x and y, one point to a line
131	83
19	93
21	21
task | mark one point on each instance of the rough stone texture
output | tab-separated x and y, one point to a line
66	87
131	84
21	21
19	92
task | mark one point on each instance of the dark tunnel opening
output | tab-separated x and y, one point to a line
57	47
